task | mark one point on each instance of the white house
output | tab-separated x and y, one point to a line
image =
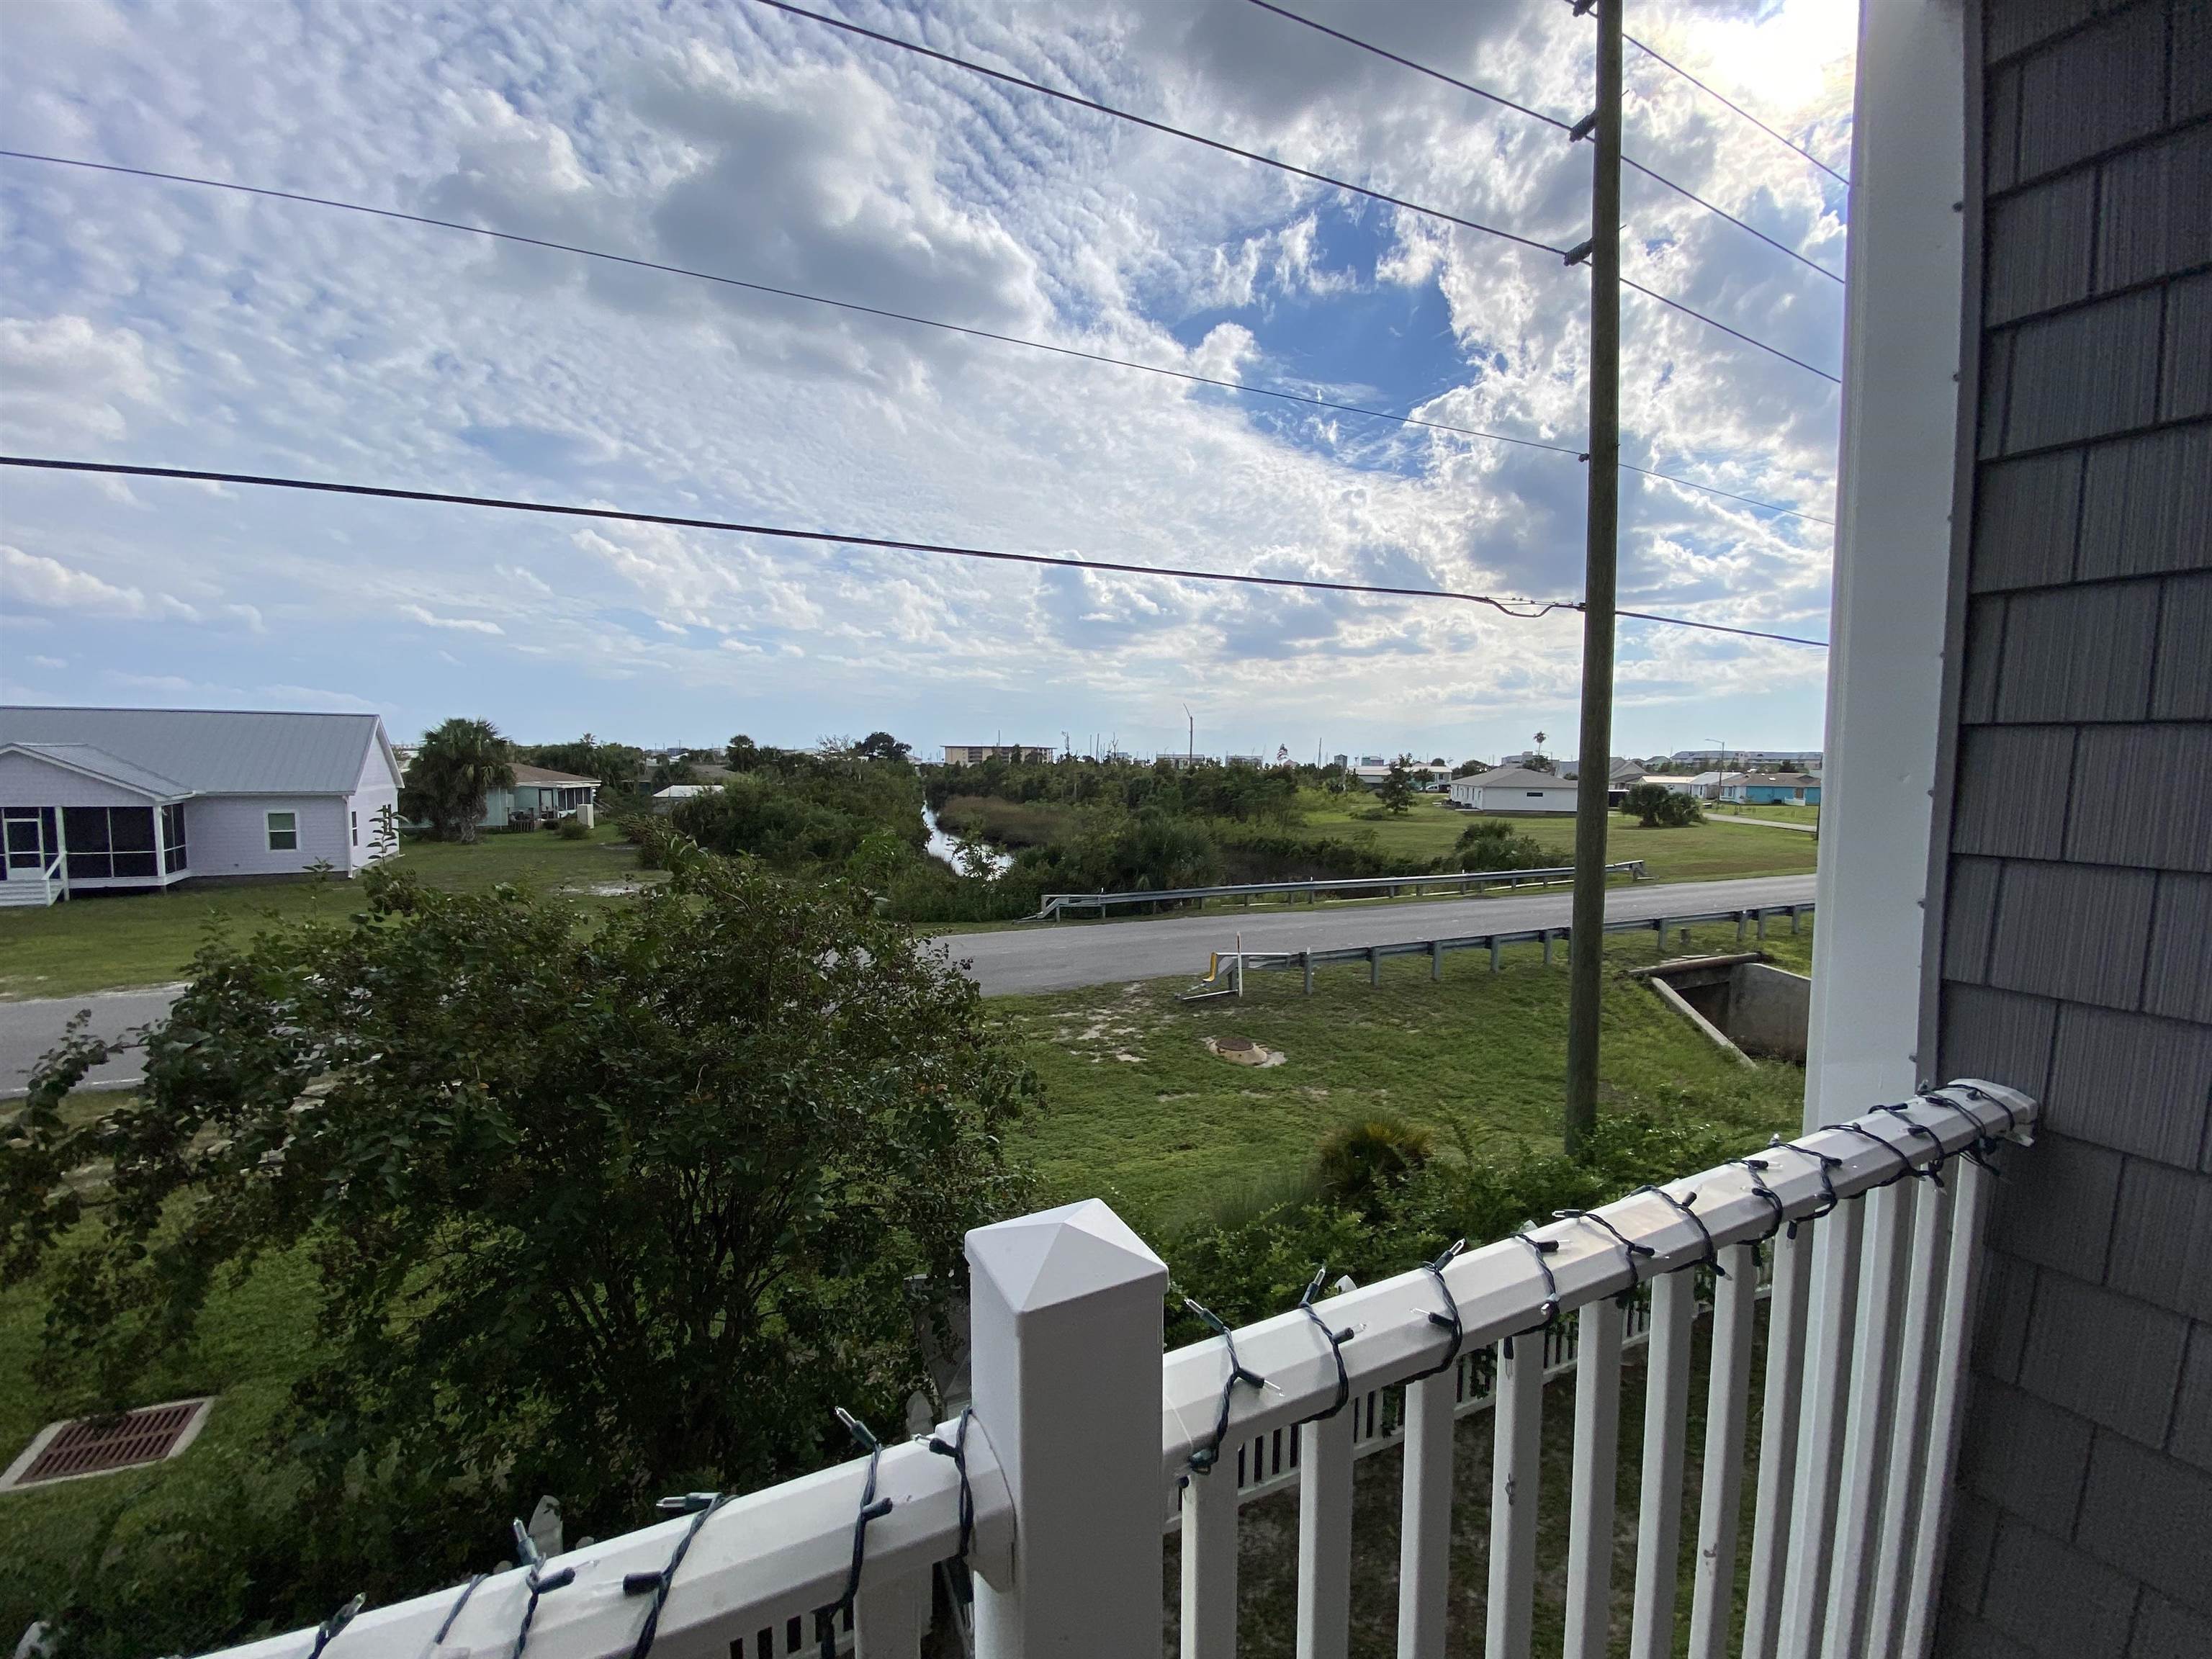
538	795
667	800
1514	789
93	798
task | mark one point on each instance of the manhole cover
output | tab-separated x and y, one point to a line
95	1445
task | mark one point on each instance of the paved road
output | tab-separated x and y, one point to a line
1056	958
29	1030
1060	956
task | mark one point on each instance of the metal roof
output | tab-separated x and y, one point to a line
1521	775
526	774
100	764
212	752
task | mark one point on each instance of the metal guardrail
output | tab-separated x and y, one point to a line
1225	971
1057	904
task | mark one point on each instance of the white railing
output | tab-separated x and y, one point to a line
1083	1434
1465	881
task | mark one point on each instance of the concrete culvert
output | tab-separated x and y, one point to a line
1743	1002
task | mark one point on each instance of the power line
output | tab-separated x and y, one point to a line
1689	310
1417	68
383	492
1719	628
1188	376
1226	148
1742	225
1570	256
1710	93
1523	610
1552	121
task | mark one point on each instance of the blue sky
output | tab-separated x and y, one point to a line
156	324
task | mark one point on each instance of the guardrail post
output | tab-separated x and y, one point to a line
1547	947
1435	958
1741	917
1374	964
1305	960
1494	948
1661	925
1066	1320
1762	926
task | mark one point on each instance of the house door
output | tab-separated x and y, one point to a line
28	832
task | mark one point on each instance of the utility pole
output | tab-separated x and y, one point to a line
1586	962
1190	751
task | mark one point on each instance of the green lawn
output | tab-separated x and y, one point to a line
106	940
1138	1112
1780	811
1695	852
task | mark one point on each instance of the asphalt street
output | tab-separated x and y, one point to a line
1058	956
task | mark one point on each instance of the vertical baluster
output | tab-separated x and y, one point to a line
1778	1440
1728	1396
1597	1446
1515	1450
1325	1537
1659	1517
1873	1399
888	1618
1424	1516
1924	1298
1209	1563
1820	1428
1962	1276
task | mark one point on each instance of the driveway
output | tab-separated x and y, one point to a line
1058	956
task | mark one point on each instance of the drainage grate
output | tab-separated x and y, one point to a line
94	1445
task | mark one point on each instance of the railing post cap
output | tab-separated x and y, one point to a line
1063	1256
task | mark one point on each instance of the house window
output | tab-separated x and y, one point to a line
284	832
108	842
353	820
173	858
1535	795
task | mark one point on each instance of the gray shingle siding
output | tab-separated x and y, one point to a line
2076	934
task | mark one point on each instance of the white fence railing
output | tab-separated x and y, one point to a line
1464	881
1082	1435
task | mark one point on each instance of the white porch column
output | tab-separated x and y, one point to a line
1893	550
1065	1321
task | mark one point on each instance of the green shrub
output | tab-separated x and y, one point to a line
1360	1163
574	829
1494	844
1657	807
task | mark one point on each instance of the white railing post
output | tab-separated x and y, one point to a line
1065	1321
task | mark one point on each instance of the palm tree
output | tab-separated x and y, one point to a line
460	762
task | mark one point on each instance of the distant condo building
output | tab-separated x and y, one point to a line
974	754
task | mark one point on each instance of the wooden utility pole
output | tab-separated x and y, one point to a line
1586	965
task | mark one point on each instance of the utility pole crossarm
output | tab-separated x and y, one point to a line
1586	960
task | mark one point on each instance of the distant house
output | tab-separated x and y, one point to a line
537	795
101	798
1705	786
1514	789
665	801
1770	788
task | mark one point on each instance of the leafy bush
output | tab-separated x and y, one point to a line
604	1216
1494	844
1657	807
572	828
1360	1163
1246	1263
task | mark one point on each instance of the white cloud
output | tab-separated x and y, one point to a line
65	379
464	624
34	578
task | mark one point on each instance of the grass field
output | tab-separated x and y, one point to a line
1695	852
1779	812
1138	1112
109	941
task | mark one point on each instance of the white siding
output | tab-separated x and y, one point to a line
1512	797
27	782
228	835
378	787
